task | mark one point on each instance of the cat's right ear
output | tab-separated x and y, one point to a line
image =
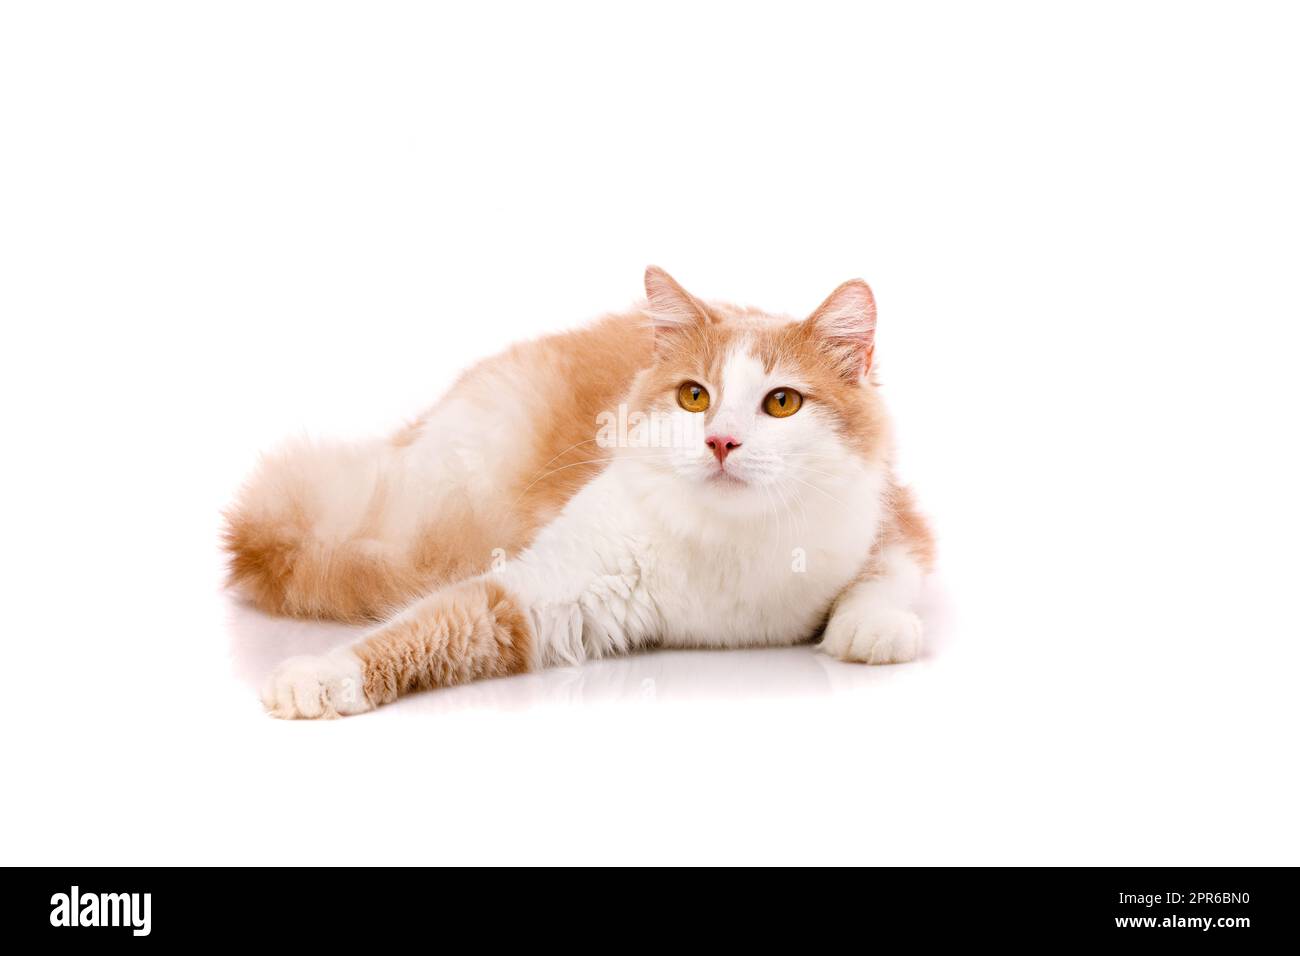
671	306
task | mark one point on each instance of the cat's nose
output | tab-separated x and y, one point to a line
722	446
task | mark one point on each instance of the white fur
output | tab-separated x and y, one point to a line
872	621
316	685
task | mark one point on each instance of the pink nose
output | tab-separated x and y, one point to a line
722	445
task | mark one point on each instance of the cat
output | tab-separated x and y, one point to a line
688	473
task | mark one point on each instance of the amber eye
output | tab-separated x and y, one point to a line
782	402
692	397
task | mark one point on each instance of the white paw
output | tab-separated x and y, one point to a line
316	685
873	634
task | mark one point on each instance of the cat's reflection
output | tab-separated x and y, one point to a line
259	642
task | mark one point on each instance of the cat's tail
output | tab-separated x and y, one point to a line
329	531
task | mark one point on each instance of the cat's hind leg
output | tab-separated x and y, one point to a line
352	531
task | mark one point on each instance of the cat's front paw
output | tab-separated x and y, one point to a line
873	634
316	685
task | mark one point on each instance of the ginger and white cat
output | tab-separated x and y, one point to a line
688	474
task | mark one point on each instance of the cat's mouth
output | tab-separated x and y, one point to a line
724	477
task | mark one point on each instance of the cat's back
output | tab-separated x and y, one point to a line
521	425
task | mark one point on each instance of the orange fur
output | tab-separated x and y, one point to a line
904	524
284	564
466	632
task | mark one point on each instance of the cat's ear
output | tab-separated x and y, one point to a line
844	327
671	306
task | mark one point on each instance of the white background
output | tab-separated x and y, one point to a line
223	224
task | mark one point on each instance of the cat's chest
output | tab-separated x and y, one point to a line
764	587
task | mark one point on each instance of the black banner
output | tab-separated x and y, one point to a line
135	907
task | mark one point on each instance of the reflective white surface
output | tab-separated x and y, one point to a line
259	641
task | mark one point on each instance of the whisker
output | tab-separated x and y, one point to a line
567	450
771	503
786	504
576	464
814	471
803	509
823	491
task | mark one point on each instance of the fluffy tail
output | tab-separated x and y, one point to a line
330	531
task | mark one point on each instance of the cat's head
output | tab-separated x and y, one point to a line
760	405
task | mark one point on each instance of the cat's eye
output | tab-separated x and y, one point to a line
782	402
693	397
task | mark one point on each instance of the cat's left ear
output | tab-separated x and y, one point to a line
844	327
